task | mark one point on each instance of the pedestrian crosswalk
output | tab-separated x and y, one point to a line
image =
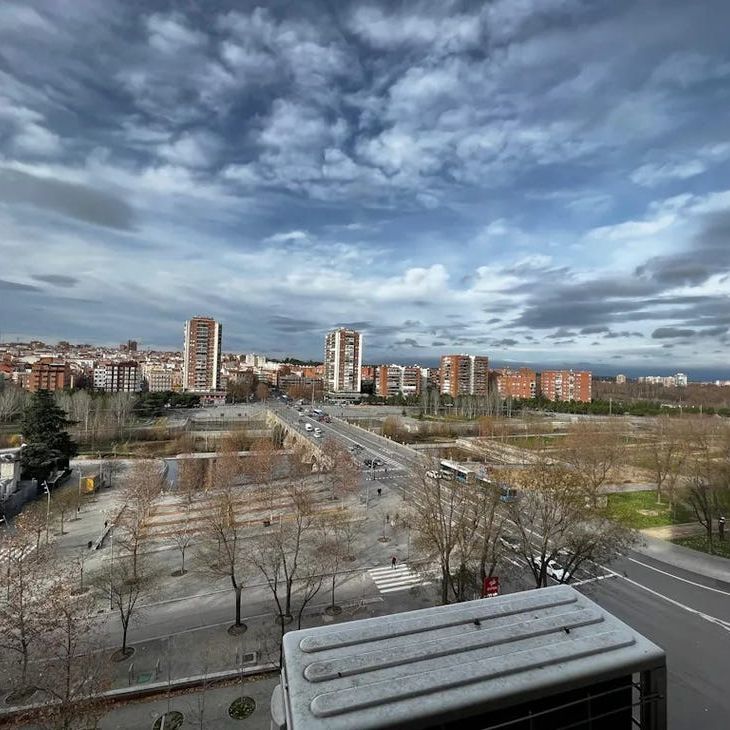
400	578
15	553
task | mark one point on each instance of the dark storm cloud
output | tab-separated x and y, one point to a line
561	334
666	333
292	324
68	199
15	286
56	279
407	342
623	334
506	342
594	330
708	254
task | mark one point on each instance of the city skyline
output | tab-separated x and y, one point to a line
441	177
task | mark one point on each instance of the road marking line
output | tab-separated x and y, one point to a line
592	580
677	577
712	619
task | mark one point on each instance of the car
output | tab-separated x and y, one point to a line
327	419
554	569
308	426
431	474
510	544
318	433
447	476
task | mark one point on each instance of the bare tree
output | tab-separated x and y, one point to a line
555	520
594	451
666	453
124	587
708	473
454	525
183	537
143	487
343	472
75	672
190	479
230	559
335	546
12	400
281	553
262	391
121	405
32	520
24	610
65	503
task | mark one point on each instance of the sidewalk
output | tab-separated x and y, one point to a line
694	561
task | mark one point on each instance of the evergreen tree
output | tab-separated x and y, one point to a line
44	431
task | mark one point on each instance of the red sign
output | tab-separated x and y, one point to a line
490	589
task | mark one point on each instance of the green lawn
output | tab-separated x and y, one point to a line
640	510
698	542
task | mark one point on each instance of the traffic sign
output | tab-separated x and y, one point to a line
490	589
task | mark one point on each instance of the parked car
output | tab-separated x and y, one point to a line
431	474
308	426
510	544
318	433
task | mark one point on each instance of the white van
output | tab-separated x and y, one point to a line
308	426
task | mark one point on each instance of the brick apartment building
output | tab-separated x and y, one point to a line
390	380
118	377
566	385
343	361
520	383
49	374
464	375
202	355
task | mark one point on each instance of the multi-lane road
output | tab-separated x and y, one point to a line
685	612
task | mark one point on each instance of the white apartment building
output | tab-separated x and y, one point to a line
118	377
343	361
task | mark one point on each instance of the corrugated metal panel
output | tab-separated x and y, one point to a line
454	661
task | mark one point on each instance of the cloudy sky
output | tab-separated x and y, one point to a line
536	180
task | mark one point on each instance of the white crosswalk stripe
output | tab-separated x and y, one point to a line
14	553
400	578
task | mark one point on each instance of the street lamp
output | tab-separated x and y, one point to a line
111	569
48	508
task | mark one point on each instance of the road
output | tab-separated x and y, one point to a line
685	613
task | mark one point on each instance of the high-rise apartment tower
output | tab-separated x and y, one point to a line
464	375
202	355
342	361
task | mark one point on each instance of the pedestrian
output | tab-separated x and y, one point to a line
380	491
393	561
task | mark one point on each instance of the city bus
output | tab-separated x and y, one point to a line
457	471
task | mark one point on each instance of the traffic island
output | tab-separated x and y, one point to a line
20	696
121	654
169	721
242	707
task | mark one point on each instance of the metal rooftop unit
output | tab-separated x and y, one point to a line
537	660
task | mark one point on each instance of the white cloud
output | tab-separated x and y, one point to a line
192	149
170	34
449	32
